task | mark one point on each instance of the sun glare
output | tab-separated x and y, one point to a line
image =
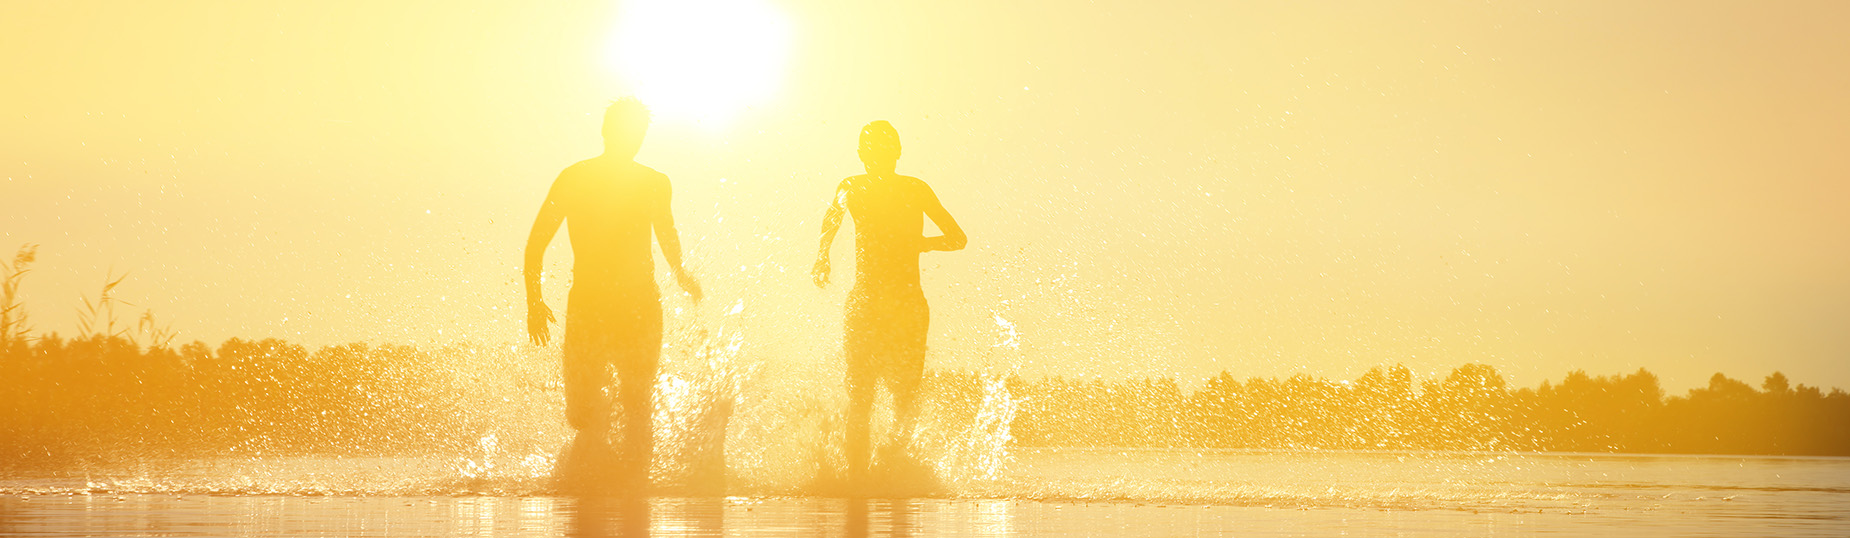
700	60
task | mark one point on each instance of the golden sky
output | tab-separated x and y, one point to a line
1149	188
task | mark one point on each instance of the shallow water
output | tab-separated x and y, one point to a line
1064	492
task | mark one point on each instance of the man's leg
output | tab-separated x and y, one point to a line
906	374
860	342
862	383
635	392
638	356
587	408
907	367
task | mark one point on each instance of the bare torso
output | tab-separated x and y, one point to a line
610	207
889	224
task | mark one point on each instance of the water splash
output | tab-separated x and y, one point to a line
974	452
1010	338
982	452
482	466
694	405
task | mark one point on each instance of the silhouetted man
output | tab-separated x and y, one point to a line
887	317
614	314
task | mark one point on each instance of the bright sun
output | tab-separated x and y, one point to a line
700	60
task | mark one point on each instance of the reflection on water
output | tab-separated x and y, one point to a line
866	517
129	515
207	515
1043	493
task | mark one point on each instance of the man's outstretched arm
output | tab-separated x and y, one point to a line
544	227
831	223
670	238
953	238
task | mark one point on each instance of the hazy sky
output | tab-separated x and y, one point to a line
1149	188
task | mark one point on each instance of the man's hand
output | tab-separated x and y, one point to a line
820	273
538	315
688	284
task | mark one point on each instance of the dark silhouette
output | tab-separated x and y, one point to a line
887	318
614	314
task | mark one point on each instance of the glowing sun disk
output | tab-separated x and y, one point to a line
702	60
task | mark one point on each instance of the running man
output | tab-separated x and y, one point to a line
887	317
614	313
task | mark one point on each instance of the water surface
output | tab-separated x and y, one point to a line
1046	492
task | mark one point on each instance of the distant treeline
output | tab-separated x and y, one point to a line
1470	409
104	396
121	389
100	395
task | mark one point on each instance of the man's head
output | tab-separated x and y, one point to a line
624	124
879	147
